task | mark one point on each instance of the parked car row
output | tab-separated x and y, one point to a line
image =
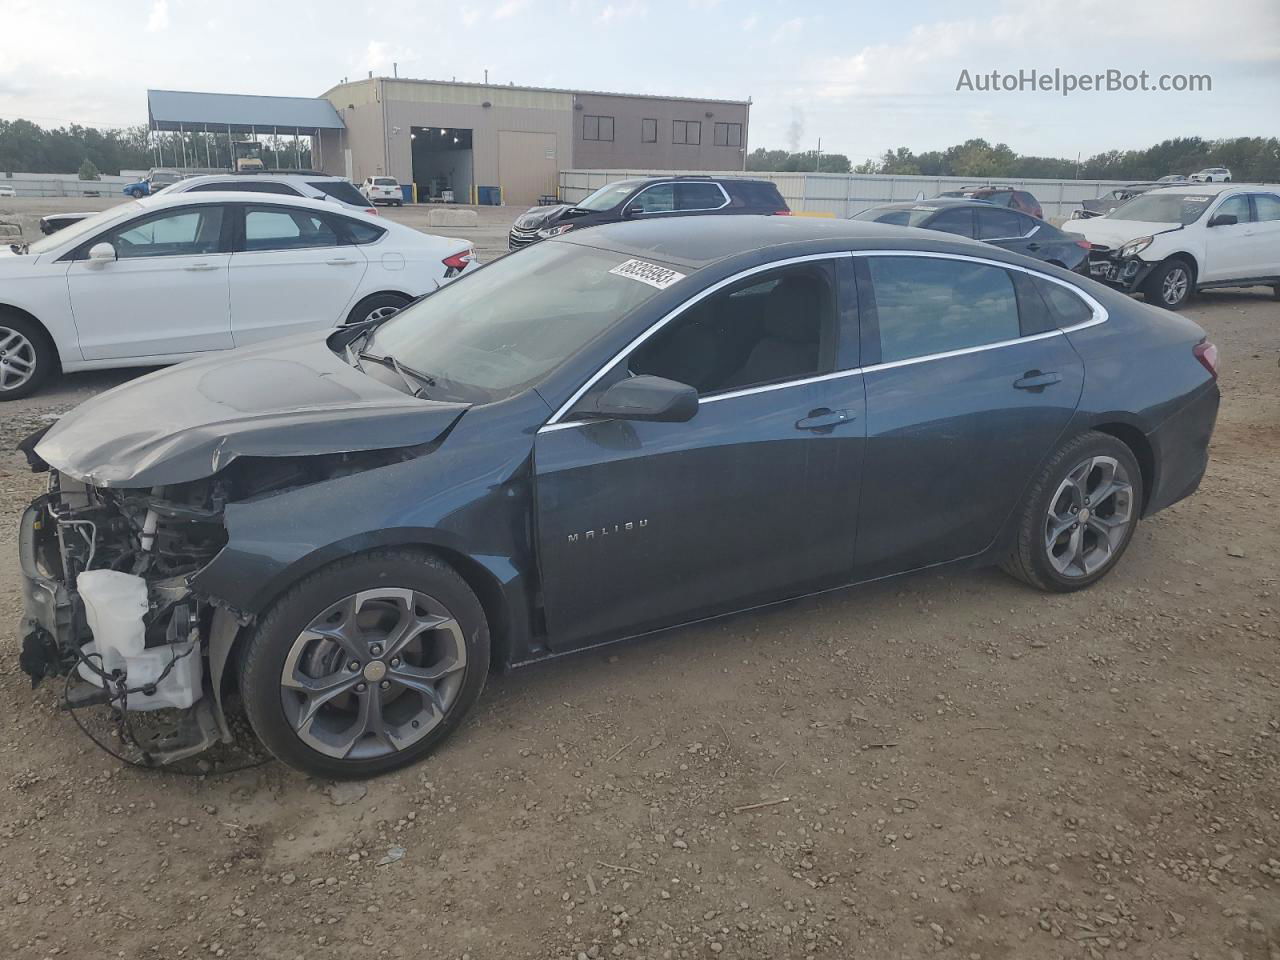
616	430
158	280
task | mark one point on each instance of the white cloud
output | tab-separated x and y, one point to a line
616	12
509	9
158	21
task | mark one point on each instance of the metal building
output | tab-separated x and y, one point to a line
461	137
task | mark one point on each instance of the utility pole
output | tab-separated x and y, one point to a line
817	164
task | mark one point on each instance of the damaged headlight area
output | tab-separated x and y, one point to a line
1120	267
108	601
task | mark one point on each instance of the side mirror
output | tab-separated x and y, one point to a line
1224	220
635	210
648	398
102	253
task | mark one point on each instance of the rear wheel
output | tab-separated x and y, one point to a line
27	357
1170	284
1079	515
377	306
366	665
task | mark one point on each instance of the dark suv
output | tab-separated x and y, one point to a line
1001	196
646	198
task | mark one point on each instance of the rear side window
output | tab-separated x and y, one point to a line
339	190
273	228
361	232
698	196
1001	198
247	186
763	196
999	224
1067	308
927	306
1267	205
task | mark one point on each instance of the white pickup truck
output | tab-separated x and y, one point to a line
1170	242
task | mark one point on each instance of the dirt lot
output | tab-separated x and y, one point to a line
947	764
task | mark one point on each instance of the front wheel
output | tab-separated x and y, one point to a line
27	357
1079	515
366	665
1170	285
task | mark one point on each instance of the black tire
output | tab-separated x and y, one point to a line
374	304
269	645
1275	293
1029	558
1171	284
36	346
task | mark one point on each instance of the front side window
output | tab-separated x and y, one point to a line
500	329
174	233
1237	206
272	228
686	131
597	128
698	196
1267	205
648	131
660	198
998	224
929	305
770	328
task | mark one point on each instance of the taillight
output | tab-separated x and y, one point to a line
1084	244
1207	354
458	262
782	213
373	210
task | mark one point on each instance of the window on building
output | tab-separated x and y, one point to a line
727	135
648	131
597	128
686	131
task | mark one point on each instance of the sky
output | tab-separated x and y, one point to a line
862	76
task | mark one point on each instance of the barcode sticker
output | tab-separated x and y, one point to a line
650	273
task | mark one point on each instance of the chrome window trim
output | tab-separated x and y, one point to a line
674	184
557	421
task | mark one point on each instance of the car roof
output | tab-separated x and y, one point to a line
259	177
697	242
246	196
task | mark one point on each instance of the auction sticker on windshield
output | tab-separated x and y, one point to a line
650	273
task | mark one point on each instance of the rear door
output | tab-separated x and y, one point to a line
1007	229
967	391
294	269
643	525
165	294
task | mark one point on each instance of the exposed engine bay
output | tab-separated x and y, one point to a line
109	604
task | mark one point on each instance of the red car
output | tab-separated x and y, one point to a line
1002	196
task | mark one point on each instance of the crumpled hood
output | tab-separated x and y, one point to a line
1115	233
538	217
290	397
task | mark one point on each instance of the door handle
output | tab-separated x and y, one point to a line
1035	380
824	419
200	266
339	261
1033	246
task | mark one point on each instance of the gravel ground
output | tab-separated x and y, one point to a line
949	763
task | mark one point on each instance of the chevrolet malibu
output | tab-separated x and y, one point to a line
155	281
617	431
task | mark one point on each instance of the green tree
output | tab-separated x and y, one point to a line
88	171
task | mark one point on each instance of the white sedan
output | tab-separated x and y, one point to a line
170	277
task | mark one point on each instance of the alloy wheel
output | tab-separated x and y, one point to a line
1175	284
381	313
374	673
1089	517
17	359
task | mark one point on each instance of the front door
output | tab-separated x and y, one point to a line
293	271
961	409
643	525
1230	249
165	293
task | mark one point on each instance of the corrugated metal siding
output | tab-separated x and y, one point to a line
419	91
843	195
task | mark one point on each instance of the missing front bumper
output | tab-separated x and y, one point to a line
1127	274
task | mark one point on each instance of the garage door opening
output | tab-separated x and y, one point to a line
443	164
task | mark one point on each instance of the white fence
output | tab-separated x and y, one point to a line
844	194
63	185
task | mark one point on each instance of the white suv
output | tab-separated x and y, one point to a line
1171	242
1212	175
382	190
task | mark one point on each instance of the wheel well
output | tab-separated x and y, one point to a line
1189	260
489	593
31	318
1140	447
355	307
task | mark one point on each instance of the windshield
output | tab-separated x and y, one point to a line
76	230
911	217
1180	208
506	326
608	196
